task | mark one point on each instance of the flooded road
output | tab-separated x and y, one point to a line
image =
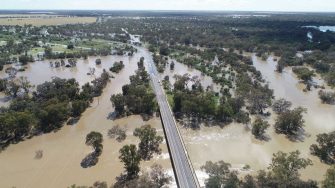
236	145
64	150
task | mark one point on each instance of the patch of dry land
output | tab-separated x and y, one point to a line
40	19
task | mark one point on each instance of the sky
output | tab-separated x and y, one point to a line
217	5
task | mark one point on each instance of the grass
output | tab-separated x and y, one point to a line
170	100
35	51
95	43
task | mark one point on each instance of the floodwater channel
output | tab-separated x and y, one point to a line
64	150
236	145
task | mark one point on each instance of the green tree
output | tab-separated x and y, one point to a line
285	167
329	181
303	73
12	88
249	182
95	139
118	101
281	105
24	84
14	126
158	176
220	175
327	97
172	64
98	61
118	133
3	84
52	115
164	50
131	159
149	141
290	122
325	149
78	107
259	127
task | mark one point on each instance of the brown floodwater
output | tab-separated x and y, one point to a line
64	150
236	145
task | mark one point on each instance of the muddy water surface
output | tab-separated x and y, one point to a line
236	145
64	150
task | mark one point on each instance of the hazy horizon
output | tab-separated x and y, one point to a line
174	5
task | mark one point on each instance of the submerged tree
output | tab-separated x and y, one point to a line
149	141
131	159
285	167
325	149
220	175
281	105
290	122
259	127
95	140
118	133
329	181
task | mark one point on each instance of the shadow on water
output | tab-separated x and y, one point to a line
73	121
90	160
112	115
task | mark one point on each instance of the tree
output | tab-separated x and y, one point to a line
303	73
329	181
12	88
258	127
95	139
181	81
172	65
290	122
53	115
149	141
325	149
78	107
24	59
117	67
280	66
249	182
158	176
98	61
48	52
24	84
259	99
70	46
118	101
220	175
285	167
14	126
327	97
281	105
118	133
131	159
3	84
164	50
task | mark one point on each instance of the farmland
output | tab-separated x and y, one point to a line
41	19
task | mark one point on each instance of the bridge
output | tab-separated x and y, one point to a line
182	166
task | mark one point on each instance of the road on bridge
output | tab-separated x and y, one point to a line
184	172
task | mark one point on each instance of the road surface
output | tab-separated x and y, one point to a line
184	173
